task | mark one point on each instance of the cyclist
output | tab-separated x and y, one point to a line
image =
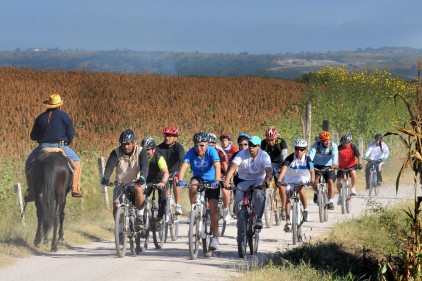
297	167
324	153
205	164
276	147
347	154
254	168
377	150
54	128
157	173
131	163
173	152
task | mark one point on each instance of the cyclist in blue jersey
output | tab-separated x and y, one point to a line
324	153
205	164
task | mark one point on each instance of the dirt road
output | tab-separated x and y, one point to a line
98	261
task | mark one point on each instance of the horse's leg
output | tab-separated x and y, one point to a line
61	233
57	217
37	240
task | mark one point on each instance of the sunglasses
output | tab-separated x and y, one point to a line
243	144
199	145
252	145
300	149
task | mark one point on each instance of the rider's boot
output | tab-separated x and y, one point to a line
76	189
29	195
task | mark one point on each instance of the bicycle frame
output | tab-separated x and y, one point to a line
345	190
373	176
296	216
322	194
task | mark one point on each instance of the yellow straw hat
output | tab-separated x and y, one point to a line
53	101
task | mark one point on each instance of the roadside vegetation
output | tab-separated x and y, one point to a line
104	104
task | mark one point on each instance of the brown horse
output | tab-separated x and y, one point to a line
51	179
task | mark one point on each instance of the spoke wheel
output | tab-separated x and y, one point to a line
277	209
120	234
242	233
344	195
321	204
194	235
269	208
294	213
157	231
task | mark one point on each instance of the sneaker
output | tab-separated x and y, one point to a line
178	210
226	215
283	214
306	216
379	183
330	206
315	198
353	191
287	227
258	224
214	244
339	201
138	221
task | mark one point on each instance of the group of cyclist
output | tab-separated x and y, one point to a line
255	163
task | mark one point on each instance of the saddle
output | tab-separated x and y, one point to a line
56	149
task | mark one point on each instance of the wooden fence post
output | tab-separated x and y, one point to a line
308	122
101	167
18	190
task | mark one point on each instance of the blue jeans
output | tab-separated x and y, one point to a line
67	150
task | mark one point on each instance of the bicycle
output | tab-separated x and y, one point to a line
322	195
296	211
220	210
172	223
345	192
124	227
150	222
200	222
246	220
373	176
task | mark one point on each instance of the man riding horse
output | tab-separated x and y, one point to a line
53	129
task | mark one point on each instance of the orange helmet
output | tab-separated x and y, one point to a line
324	135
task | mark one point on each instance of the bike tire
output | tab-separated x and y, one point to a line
157	231
194	235
277	209
371	183
294	213
253	238
221	222
206	224
376	187
344	195
269	209
321	204
326	201
348	204
242	232
138	247
120	233
174	227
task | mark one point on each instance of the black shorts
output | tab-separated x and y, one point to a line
340	173
330	174
209	193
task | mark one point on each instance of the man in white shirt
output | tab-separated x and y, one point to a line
254	169
377	150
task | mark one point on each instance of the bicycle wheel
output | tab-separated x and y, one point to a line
206	225
120	234
277	209
344	195
321	205
157	230
371	181
194	235
131	237
376	187
242	232
348	199
325	210
294	212
145	232
173	220
253	238
221	222
269	208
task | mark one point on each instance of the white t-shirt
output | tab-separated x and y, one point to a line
252	169
374	151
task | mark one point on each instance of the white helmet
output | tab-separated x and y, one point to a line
301	143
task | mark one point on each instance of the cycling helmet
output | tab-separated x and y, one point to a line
225	136
324	135
212	138
378	137
200	137
346	139
149	143
127	136
242	136
171	130
301	143
271	133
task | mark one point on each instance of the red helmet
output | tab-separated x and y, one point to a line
171	130
271	133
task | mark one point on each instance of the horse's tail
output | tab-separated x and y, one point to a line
49	200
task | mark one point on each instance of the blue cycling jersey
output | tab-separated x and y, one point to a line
324	156
202	168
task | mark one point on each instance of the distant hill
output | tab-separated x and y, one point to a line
401	62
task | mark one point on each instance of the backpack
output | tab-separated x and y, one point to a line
278	143
318	150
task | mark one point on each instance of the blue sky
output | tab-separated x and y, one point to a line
216	26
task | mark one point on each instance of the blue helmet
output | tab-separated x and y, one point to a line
127	136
